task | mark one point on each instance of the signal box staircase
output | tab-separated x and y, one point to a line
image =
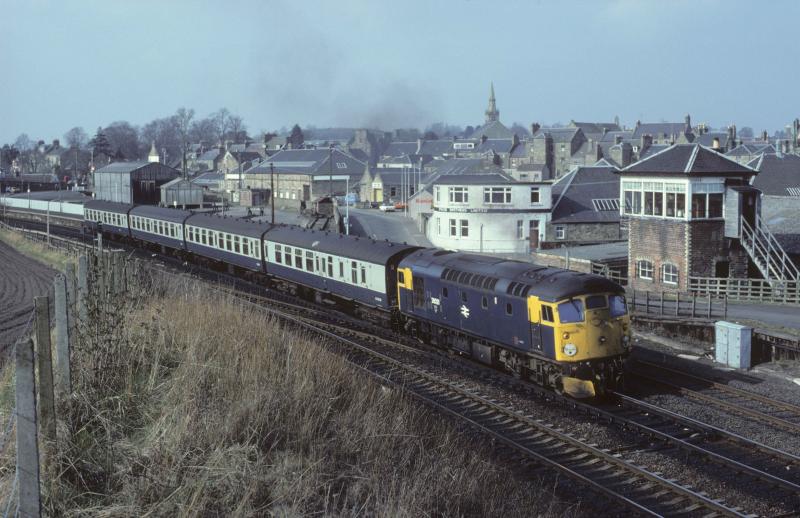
768	255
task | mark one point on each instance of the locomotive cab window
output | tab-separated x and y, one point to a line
401	278
595	302
570	311
617	307
547	314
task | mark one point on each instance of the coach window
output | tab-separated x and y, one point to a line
309	261
298	258
278	252
287	255
236	244
353	272
229	242
330	266
246	246
363	274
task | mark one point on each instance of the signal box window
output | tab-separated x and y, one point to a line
644	269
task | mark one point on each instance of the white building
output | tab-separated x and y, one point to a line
488	213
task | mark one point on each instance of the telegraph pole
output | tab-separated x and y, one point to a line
272	190
330	170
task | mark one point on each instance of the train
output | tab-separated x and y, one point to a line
565	330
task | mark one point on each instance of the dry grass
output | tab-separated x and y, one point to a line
36	250
202	407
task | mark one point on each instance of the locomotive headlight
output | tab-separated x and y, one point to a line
570	349
565	336
626	341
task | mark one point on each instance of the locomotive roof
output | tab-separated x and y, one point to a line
239	226
108	206
364	249
548	283
162	213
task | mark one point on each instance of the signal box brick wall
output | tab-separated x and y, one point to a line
694	247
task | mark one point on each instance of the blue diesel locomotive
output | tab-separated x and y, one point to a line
566	330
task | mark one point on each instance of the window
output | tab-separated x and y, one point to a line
401	277
453	228
353	272
669	274
458	195
330	266
236	244
606	204
363	274
648	198
438	226
497	195
229	242
298	258
535	195
547	314
309	261
699	205
520	227
484	302
287	255
246	246
595	302
341	269
715	205
464	228
278	258
436	193
570	311
644	269
509	309
616	306
561	232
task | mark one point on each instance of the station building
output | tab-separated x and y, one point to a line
488	213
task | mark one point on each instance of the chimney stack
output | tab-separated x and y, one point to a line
534	128
715	144
765	136
617	139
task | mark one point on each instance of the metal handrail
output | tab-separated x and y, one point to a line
767	252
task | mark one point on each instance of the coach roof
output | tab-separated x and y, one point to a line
364	249
238	226
161	213
108	206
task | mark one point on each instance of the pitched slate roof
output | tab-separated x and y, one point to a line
310	162
750	149
122	167
595	127
659	128
688	159
498	145
612	135
437	147
400	148
707	139
652	150
207	179
558	134
494	129
578	194
777	175
474	179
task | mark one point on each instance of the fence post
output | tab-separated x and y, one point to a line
677	303
47	407
83	289
63	333
694	305
708	312
646	302
662	303
725	307
27	439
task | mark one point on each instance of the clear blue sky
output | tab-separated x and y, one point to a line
395	63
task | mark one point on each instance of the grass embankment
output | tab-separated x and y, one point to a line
200	406
35	250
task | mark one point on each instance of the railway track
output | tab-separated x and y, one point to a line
606	471
732	399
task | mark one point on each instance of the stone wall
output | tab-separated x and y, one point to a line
582	234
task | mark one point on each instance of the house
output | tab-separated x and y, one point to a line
666	132
182	193
746	153
488	213
585	208
132	182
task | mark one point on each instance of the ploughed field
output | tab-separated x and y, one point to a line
21	279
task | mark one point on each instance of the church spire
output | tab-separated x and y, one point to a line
492	114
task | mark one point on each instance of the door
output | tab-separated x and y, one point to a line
306	192
749	207
534	316
377	195
722	269
533	233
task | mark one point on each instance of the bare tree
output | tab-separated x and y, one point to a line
237	128
222	118
23	143
76	137
123	138
183	119
204	131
